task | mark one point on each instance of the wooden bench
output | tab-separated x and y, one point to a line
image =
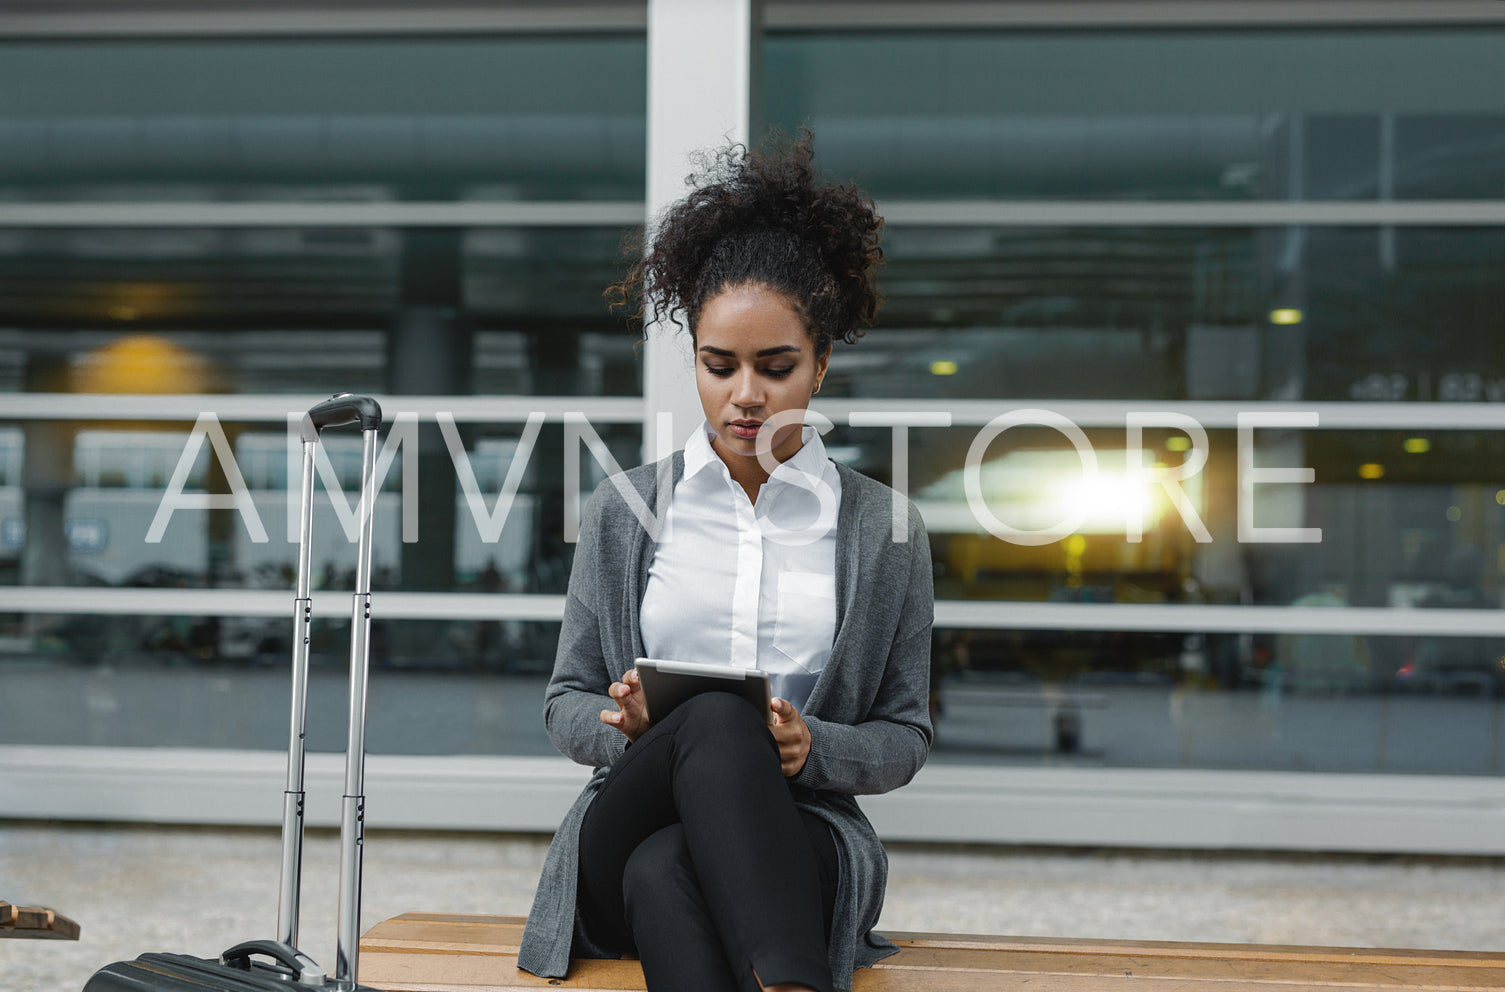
35	922
435	952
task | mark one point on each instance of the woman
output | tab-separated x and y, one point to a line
730	854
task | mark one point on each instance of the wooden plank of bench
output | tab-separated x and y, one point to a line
35	922
432	952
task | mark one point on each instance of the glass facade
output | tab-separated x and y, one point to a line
434	219
1186	313
309	120
1185	114
1203	319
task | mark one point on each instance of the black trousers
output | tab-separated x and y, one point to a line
694	853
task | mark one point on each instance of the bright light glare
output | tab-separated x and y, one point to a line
1108	501
1178	442
1371	470
943	368
1417	445
1286	315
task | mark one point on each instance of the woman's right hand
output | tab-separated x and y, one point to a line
631	717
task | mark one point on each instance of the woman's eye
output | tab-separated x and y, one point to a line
780	373
719	370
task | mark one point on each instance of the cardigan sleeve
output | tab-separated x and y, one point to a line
576	693
888	747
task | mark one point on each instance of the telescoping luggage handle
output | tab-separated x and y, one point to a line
339	410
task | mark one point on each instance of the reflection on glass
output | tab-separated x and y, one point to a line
1324	703
1428	533
343	120
192	310
436	687
1238	114
114	518
1315	313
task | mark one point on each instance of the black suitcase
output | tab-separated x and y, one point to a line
266	965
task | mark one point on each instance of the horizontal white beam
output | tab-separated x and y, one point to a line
275	408
628	213
179	785
871	15
959	614
615	213
629	409
1210	414
951	803
1352	620
328	603
72	19
1177	808
1205	213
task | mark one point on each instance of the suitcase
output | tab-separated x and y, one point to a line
267	965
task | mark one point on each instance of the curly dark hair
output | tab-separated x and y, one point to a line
762	218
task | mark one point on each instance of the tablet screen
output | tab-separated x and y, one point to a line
666	684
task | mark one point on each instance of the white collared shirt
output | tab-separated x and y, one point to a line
752	585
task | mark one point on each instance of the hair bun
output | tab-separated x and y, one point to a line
763	217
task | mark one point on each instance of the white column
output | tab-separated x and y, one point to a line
700	70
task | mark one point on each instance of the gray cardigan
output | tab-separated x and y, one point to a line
868	712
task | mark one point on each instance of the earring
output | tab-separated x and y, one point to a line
816	389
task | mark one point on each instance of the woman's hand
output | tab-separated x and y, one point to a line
792	735
631	717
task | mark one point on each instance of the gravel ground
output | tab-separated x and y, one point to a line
199	890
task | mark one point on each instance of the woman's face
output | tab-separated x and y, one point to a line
753	359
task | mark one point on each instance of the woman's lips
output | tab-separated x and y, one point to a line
746	429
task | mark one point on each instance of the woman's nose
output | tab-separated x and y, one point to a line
746	390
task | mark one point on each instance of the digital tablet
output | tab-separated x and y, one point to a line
666	684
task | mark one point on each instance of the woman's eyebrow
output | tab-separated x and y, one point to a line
779	350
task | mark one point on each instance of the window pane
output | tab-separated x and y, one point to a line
90	505
1191	114
341	120
1315	313
1407	520
424	312
1322	703
436	687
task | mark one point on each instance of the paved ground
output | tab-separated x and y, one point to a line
200	890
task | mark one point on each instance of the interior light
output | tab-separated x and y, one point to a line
1500	496
1455	513
141	363
1286	315
1109	499
943	368
1178	442
1371	470
1417	446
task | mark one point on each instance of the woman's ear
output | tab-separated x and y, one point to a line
821	364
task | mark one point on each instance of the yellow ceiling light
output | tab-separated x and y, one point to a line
1178	442
141	363
943	367
1286	315
1371	470
1417	445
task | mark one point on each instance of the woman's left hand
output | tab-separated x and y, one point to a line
792	735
